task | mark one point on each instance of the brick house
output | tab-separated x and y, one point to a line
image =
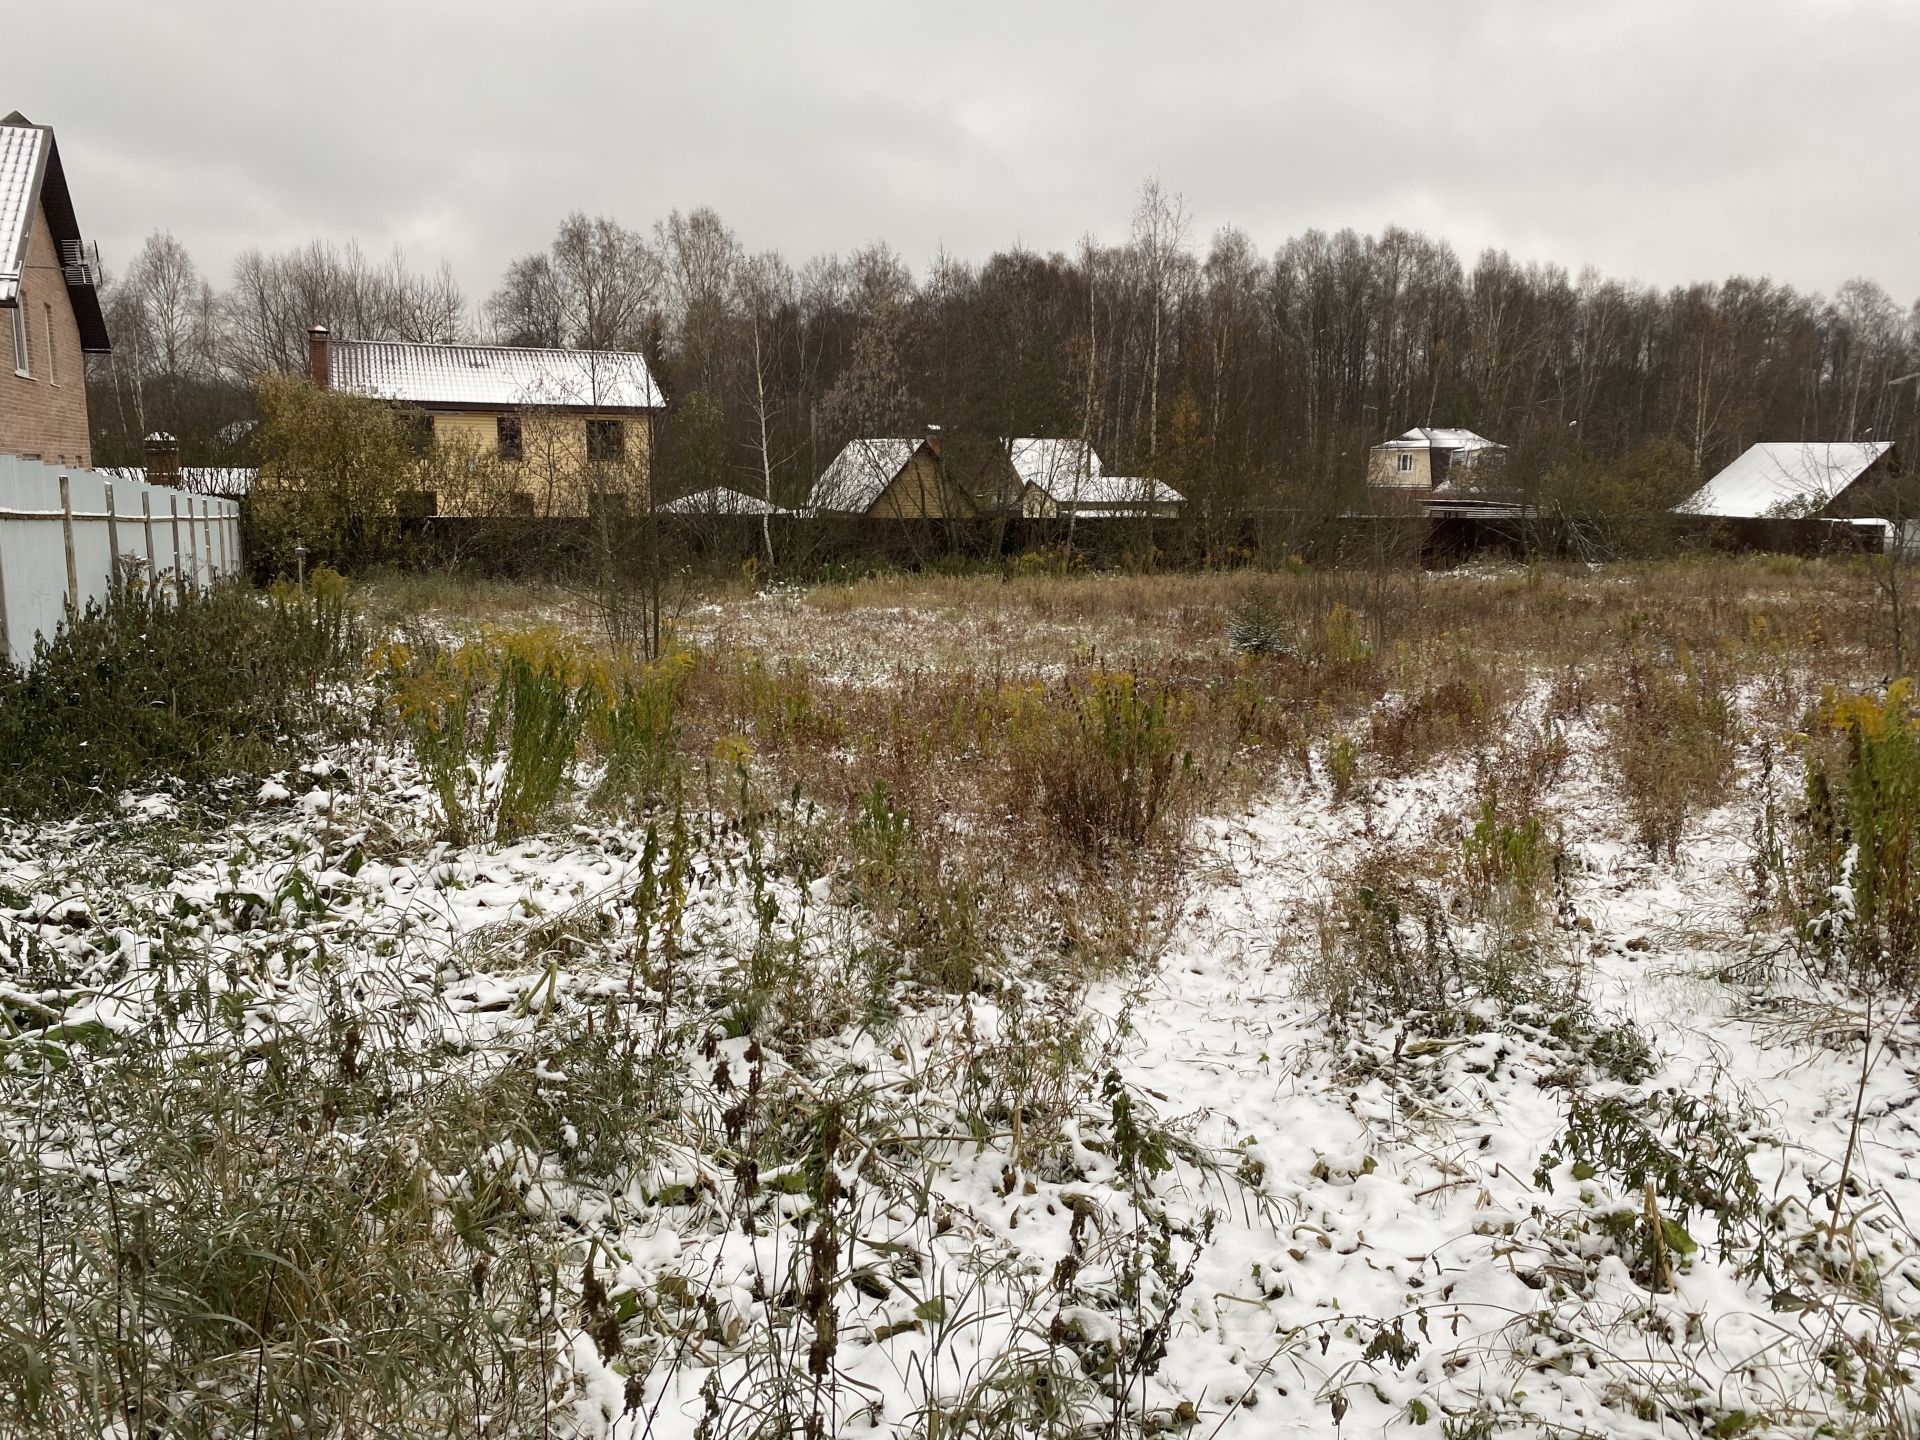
49	306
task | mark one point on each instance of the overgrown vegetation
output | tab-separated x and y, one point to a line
157	686
815	1031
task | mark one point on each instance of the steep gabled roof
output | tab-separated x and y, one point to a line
1060	467
1797	479
861	473
502	376
31	180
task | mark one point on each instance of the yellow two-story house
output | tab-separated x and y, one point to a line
572	430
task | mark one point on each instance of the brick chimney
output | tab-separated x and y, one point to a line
163	460
319	357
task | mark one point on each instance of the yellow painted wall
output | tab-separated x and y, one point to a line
918	493
1037	504
1383	469
553	469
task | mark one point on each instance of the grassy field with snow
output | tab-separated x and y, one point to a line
1336	1002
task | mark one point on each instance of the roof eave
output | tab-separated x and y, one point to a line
48	191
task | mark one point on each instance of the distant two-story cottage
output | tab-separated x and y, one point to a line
560	421
49	302
1427	458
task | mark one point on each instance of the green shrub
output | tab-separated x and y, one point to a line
496	733
638	734
1857	847
1109	762
1671	744
1507	856
151	686
1689	1151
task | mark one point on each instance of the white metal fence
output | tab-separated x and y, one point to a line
61	531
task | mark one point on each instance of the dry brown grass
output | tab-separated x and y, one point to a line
1035	731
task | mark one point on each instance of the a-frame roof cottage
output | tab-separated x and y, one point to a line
49	301
891	478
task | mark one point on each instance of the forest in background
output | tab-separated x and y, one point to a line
1246	379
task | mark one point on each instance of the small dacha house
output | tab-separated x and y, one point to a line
1036	477
50	301
891	478
1058	477
1832	480
572	429
1430	459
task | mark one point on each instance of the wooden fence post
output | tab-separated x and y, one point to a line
146	514
73	564
206	531
113	534
179	570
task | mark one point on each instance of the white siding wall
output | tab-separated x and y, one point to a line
184	539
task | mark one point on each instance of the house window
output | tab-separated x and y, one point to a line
507	437
46	332
610	504
1406	461
606	440
22	364
419	431
415	504
519	502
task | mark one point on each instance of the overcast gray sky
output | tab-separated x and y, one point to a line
1664	140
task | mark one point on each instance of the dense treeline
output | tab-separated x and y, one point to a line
1245	378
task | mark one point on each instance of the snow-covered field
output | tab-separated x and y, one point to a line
778	1188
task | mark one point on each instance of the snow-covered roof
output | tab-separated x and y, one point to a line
22	150
226	481
720	500
1119	492
860	473
505	375
1061	467
1785	479
32	182
1069	472
1426	437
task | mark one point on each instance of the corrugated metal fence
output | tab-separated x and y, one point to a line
61	531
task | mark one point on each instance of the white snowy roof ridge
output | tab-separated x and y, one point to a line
861	472
23	156
1062	467
1122	490
1785	478
1430	437
720	500
427	373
